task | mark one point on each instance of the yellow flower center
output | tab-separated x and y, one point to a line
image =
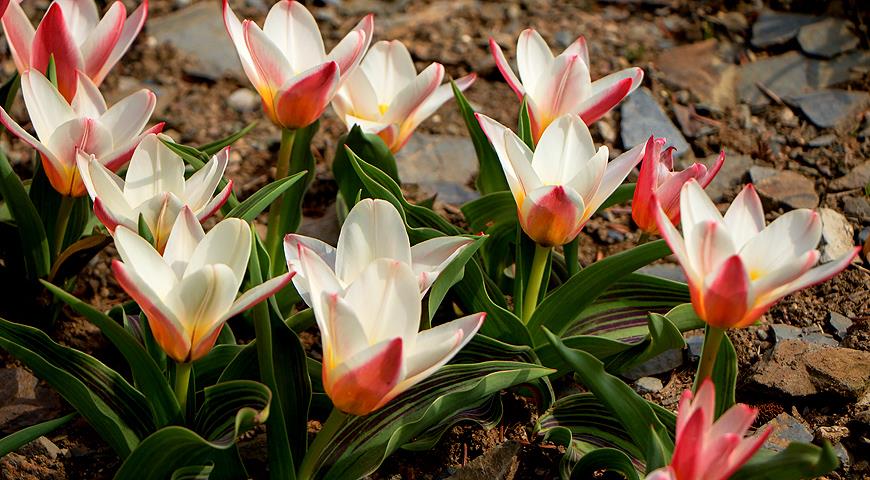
383	108
755	274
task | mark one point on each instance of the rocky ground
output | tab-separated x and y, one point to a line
783	91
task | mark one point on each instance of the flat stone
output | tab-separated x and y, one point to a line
783	332
661	363
837	235
499	463
699	68
648	385
827	38
695	346
843	455
668	271
858	177
857	207
846	67
24	401
198	31
775	28
786	429
439	164
785	75
244	100
823	140
734	172
840	324
784	188
827	108
642	116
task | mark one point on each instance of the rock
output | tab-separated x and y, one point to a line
783	188
858	177
499	463
661	363
827	38
244	100
786	429
823	141
814	334
695	346
699	68
846	67
857	207
42	446
840	324
843	455
23	401
733	173
325	228
642	116
648	385
775	28
827	108
198	31
800	369
669	271
837	234
783	332
785	75
733	21
439	164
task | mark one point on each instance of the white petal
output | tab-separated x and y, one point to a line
745	216
431	257
186	234
127	118
80	17
373	229
102	183
696	209
389	66
141	258
361	96
291	253
563	151
202	298
409	98
200	187
88	101
514	155
47	108
783	241
614	175
292	28
534	59
316	277
347	335
154	169
229	242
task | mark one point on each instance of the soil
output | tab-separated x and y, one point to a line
620	34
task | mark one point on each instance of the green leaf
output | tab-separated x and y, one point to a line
147	375
453	273
168	450
490	178
9	90
110	404
524	129
639	420
301	160
209	368
725	376
34	242
218	145
608	459
362	443
562	307
259	201
622	194
193	472
231	408
798	460
144	231
13	442
197	160
76	257
367	146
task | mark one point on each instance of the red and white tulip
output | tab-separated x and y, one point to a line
154	188
84	125
557	85
73	32
367	299
659	180
707	448
559	186
737	267
387	97
288	65
190	291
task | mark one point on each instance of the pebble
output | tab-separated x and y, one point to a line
827	108
783	332
608	133
786	429
783	188
733	174
857	207
439	164
775	28
244	100
661	363
700	69
24	401
43	446
648	385
857	177
827	38
785	75
642	116
695	346
823	141
837	235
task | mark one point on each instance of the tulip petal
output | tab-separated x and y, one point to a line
350	50
181	243
708	246
817	275
154	169
291	253
786	238
736	420
726	295
229	242
578	48
53	39
102	38
505	69
19	34
122	153
552	215
237	35
534	60
614	175
605	93
744	451
664	473
389	66
302	101
563	152
387	301
436	346
360	98
686	458
201	300
273	67
696	209
348	335
430	257
132	26
439	97
745	216
711	173
316	277
105	185
675	242
514	155
409	98
50	162
373	229
88	102
216	203
291	28
127	118
78	134
81	17
200	187
560	90
361	384
140	258
47	108
258	294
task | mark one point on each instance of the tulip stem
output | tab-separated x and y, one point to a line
536	277
325	437
712	342
182	382
572	250
63	213
282	169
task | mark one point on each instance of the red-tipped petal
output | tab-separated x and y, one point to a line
362	390
132	26
641	204
216	203
595	108
52	38
725	299
19	34
713	170
505	69
302	102
551	215
102	40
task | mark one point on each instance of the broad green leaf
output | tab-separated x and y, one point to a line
110	404
144	230
622	194
168	450
231	408
450	275
34	242
218	145
725	376
147	375
609	459
372	149
193	472
797	461
22	437
490	178
209	368
259	201
48	203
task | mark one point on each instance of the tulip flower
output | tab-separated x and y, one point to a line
367	303
154	188
659	180
708	450
74	34
554	86
387	97
4	4
85	125
559	186
190	291
288	65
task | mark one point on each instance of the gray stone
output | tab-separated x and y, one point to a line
846	67
783	332
24	401
785	75
827	108
823	141
695	346
775	28
783	188
840	324
648	385
42	446
837	234
733	21
858	177
857	207
786	429
843	455
733	174
699	68
668	271
439	164
499	463
661	363
244	100
642	116
198	31
827	38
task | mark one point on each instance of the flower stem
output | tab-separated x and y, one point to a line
273	232
182	382
63	213
536	277
324	437
712	342
572	250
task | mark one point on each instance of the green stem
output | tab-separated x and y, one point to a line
63	213
273	232
182	382
644	237
536	277
572	250
712	342
324	437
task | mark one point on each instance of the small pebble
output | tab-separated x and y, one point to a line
243	100
823	141
648	385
